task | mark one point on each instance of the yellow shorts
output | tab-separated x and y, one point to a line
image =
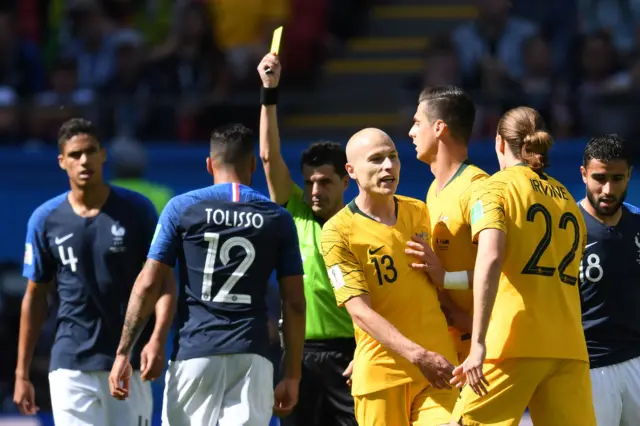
415	404
461	342
557	392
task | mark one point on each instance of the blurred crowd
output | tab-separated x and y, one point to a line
149	69
576	61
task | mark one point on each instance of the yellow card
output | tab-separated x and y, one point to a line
275	41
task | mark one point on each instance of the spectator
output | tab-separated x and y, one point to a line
493	41
20	65
126	95
91	46
64	99
618	18
542	88
193	70
244	29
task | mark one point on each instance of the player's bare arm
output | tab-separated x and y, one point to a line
32	317
293	323
491	245
433	365
429	262
142	302
152	356
456	316
278	176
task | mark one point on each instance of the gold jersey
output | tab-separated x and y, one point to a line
537	309
366	257
450	227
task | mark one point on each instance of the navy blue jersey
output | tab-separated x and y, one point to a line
610	288
93	262
227	239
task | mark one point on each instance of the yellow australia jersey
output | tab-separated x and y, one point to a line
450	227
537	309
366	257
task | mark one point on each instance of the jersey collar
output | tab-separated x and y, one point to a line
466	163
356	210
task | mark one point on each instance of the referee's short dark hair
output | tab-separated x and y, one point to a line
232	143
453	106
606	148
326	153
74	127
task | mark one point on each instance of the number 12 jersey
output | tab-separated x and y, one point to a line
227	239
537	309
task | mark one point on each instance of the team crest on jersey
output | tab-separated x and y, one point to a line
28	254
118	232
423	235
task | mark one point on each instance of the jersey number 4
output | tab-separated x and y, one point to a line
532	267
224	294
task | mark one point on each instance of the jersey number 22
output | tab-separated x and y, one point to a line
224	294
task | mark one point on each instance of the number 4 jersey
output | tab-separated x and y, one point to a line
227	239
93	263
537	308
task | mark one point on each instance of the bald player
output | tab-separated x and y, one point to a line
403	354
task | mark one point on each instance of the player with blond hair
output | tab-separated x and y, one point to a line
404	354
527	347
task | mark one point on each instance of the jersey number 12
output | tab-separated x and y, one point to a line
224	294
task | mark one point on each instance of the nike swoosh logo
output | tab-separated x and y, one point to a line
376	250
61	240
589	245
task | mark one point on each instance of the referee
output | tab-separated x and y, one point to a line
325	398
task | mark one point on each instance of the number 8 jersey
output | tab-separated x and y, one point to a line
227	239
537	310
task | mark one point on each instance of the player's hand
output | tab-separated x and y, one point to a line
24	396
435	368
285	397
427	259
152	360
271	79
470	372
348	372
120	377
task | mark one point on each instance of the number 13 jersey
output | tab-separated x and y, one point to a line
537	309
227	239
366	257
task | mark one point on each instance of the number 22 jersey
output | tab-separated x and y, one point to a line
537	309
227	239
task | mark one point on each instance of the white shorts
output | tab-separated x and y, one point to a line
221	390
616	393
83	399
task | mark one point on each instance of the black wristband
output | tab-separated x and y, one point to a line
269	95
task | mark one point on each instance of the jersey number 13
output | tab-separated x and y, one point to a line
224	294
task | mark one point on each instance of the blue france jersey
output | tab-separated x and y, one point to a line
610	288
93	262
227	239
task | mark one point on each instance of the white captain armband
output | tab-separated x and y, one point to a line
456	280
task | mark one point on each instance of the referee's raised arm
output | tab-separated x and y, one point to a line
278	177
